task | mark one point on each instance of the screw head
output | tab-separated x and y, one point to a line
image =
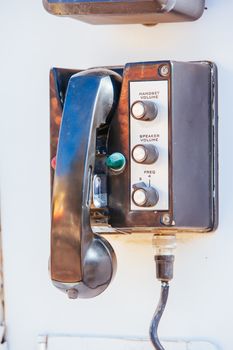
72	293
164	70
166	220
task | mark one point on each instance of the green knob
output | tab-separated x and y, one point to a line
116	161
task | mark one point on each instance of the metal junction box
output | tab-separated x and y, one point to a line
127	11
133	149
165	126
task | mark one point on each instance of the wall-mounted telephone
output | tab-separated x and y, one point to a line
125	11
134	149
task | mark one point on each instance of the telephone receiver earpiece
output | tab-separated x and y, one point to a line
82	263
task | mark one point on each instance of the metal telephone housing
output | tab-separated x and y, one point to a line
124	11
161	123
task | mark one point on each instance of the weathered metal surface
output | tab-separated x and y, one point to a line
122	12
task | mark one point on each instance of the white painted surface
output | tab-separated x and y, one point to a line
200	304
4	346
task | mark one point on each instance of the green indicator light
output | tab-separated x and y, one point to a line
116	161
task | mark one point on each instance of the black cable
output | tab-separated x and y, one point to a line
157	316
164	262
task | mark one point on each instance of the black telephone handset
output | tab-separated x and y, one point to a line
82	263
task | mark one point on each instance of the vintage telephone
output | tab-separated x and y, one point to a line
133	149
125	11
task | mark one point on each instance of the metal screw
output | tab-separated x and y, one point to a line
164	70
166	220
72	293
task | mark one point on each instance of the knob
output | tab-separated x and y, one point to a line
145	154
144	110
144	196
116	162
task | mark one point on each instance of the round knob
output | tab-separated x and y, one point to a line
116	162
145	154
144	110
144	196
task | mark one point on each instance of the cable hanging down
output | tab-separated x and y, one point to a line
164	259
157	316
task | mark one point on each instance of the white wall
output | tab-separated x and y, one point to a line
200	304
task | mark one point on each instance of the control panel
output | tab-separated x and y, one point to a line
149	145
154	163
